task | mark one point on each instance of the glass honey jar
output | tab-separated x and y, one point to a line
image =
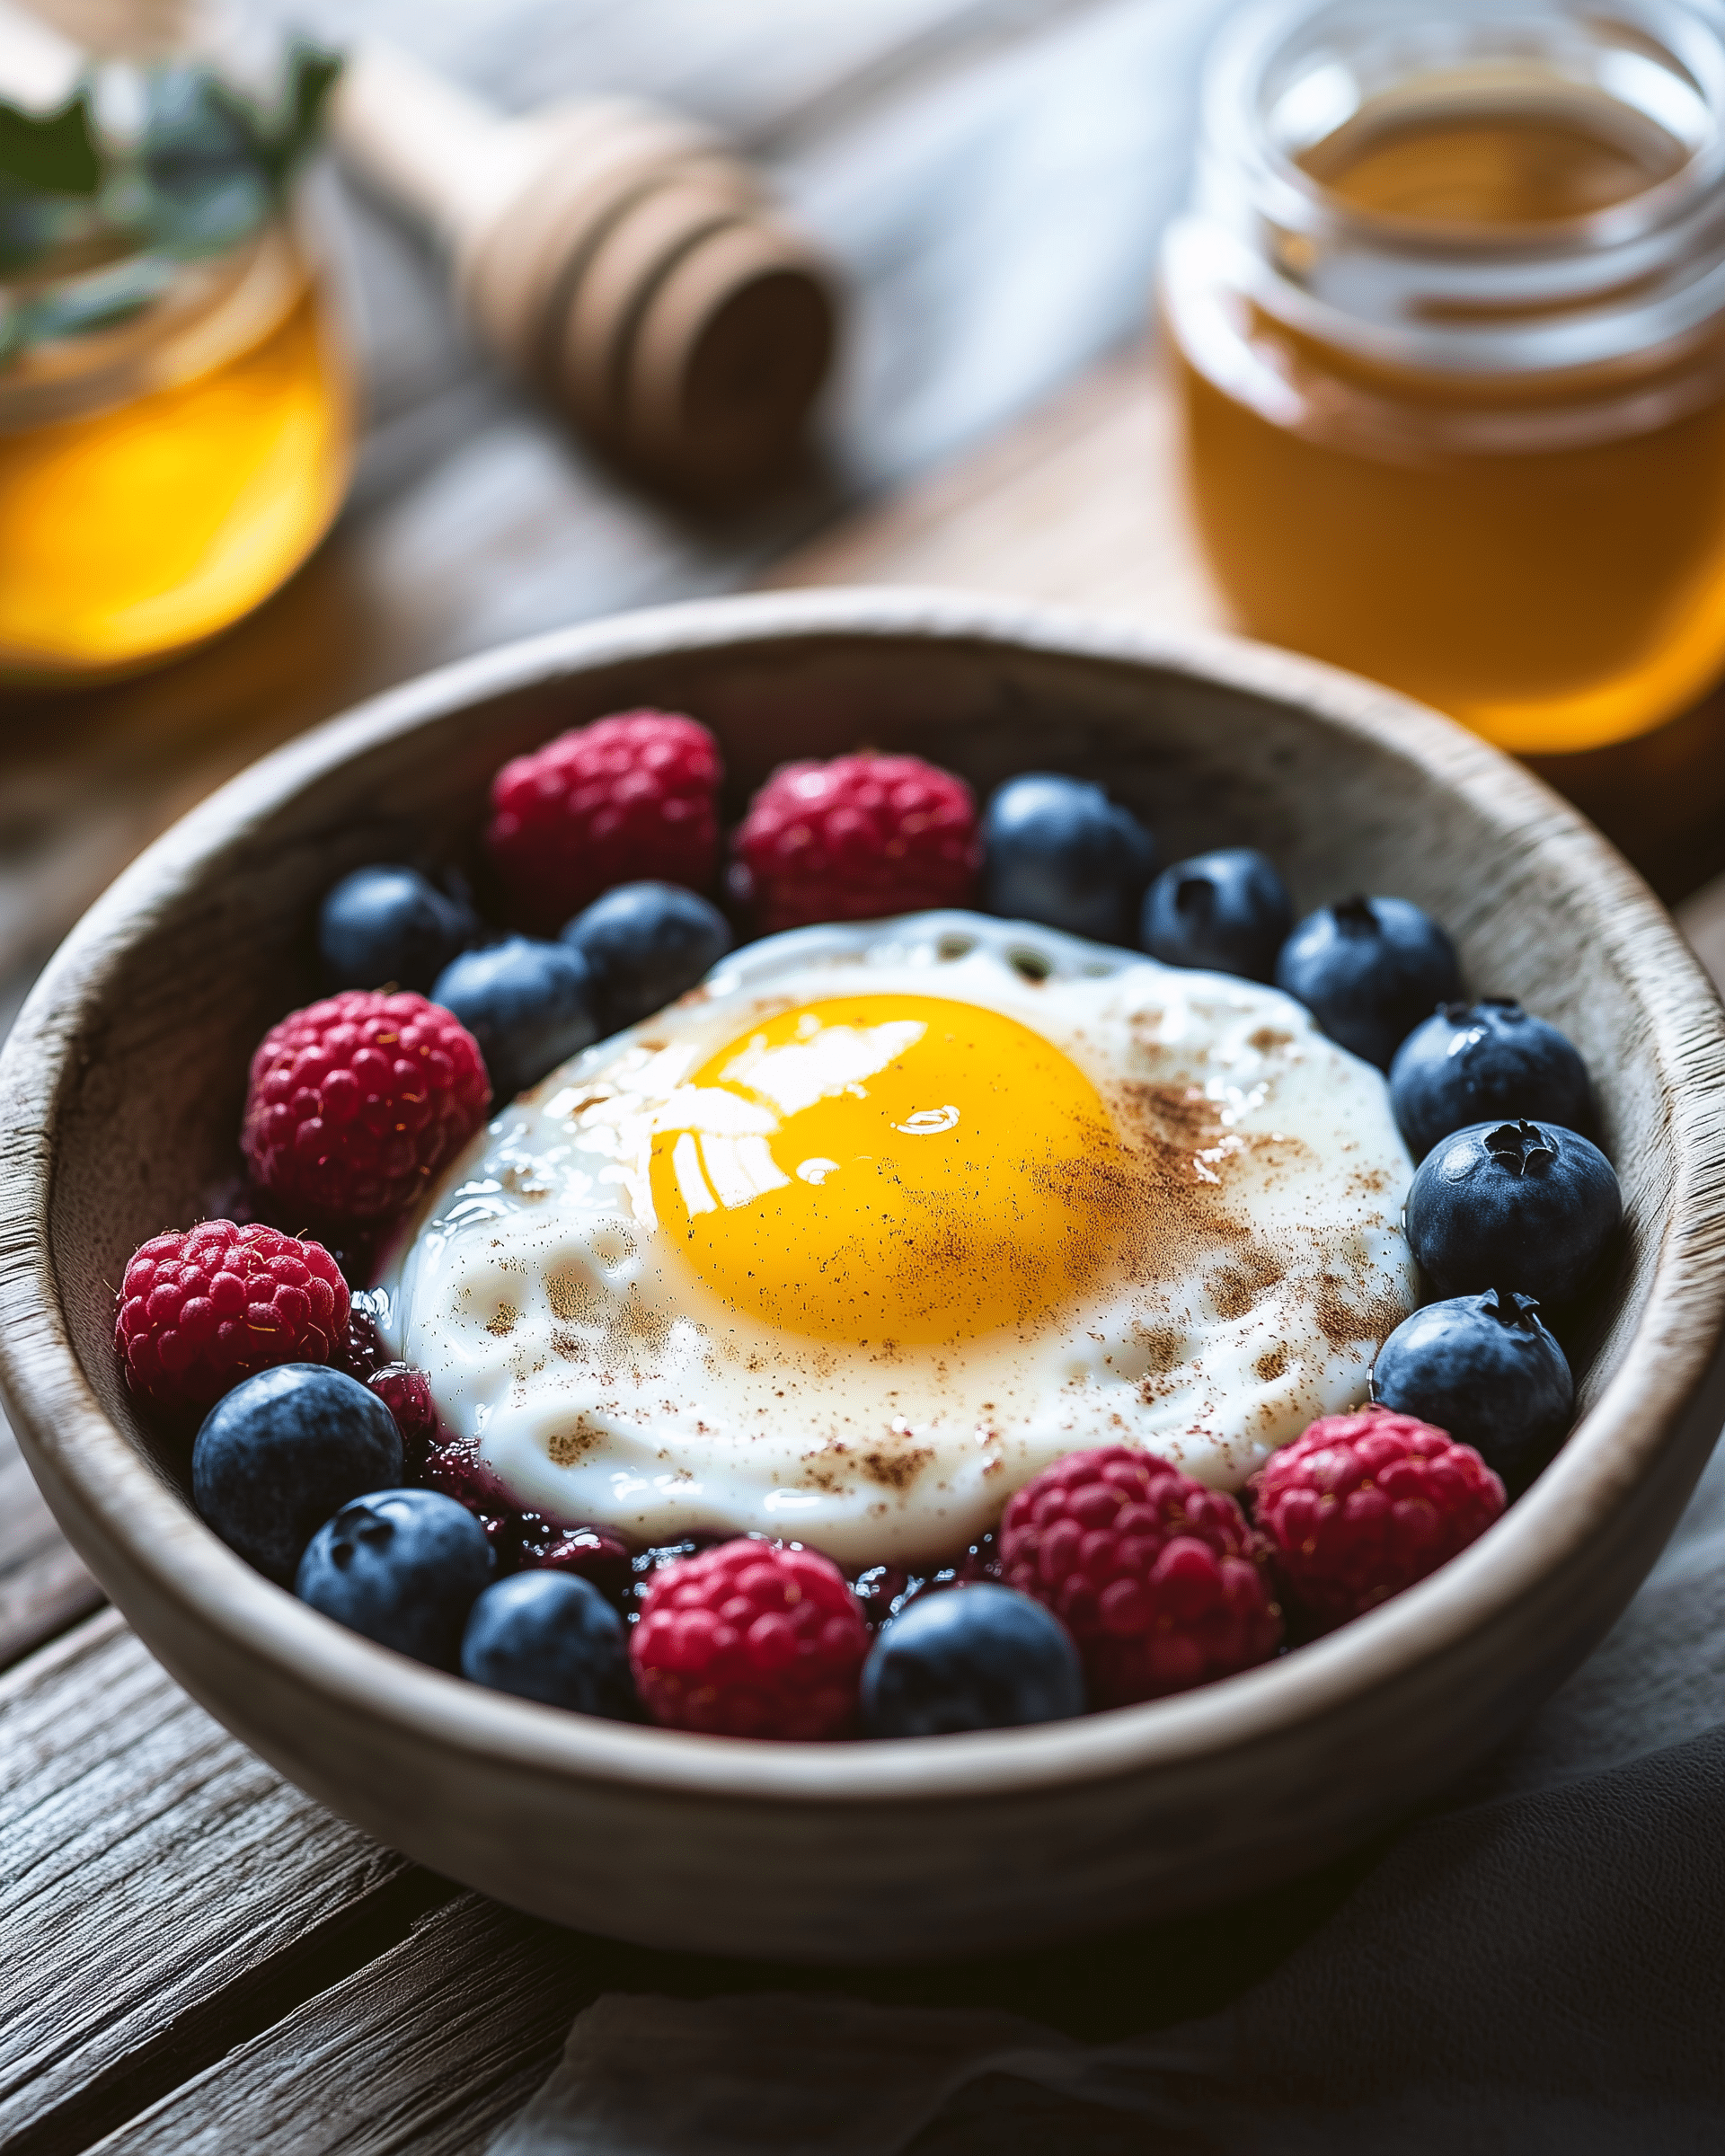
1448	316
176	401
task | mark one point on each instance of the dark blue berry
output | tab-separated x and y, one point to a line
277	1455
1228	911
1527	1207
1060	852
529	1007
1472	1061
645	943
1484	1368
404	1566
550	1636
977	1657
390	923
1368	970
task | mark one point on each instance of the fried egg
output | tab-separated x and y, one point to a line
858	1236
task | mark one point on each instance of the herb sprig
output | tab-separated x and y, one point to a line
89	229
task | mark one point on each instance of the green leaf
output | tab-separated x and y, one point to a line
196	186
55	153
211	166
280	138
312	75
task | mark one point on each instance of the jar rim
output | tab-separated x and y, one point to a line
207	309
1690	33
1554	293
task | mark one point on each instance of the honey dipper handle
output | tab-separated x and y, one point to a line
424	143
619	257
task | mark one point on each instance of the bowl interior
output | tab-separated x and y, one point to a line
148	1116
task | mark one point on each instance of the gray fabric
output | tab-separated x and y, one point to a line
1536	1966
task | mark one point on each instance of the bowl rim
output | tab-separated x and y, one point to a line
65	1430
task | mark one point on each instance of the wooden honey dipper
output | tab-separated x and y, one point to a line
619	257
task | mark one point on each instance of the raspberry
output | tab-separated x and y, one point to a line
202	1309
356	1103
1361	1506
1156	1577
630	798
748	1639
855	839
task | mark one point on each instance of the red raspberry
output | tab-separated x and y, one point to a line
356	1103
856	839
627	798
746	1639
202	1309
1361	1506
1155	1577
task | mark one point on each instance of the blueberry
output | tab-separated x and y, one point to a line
1472	1061
976	1657
1484	1368
529	1005
404	1566
1060	852
1527	1207
550	1636
390	923
644	944
277	1455
1228	911
1368	970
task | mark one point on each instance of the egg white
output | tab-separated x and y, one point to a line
600	1380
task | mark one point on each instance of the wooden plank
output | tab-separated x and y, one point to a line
429	2048
163	1893
437	2042
43	1587
1077	505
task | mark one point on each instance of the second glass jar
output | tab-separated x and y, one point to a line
1448	314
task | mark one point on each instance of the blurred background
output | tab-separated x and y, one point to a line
989	178
977	191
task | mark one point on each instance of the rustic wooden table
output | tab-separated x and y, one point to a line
193	1954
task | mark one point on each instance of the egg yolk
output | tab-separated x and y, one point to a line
889	1168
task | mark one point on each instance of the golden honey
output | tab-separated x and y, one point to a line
1451	353
158	481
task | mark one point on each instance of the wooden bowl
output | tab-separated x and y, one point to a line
121	1090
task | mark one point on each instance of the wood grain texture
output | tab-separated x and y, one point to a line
113	1125
428	2048
43	1587
1080	504
442	2037
159	1887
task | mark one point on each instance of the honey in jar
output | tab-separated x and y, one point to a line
1448	320
158	481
